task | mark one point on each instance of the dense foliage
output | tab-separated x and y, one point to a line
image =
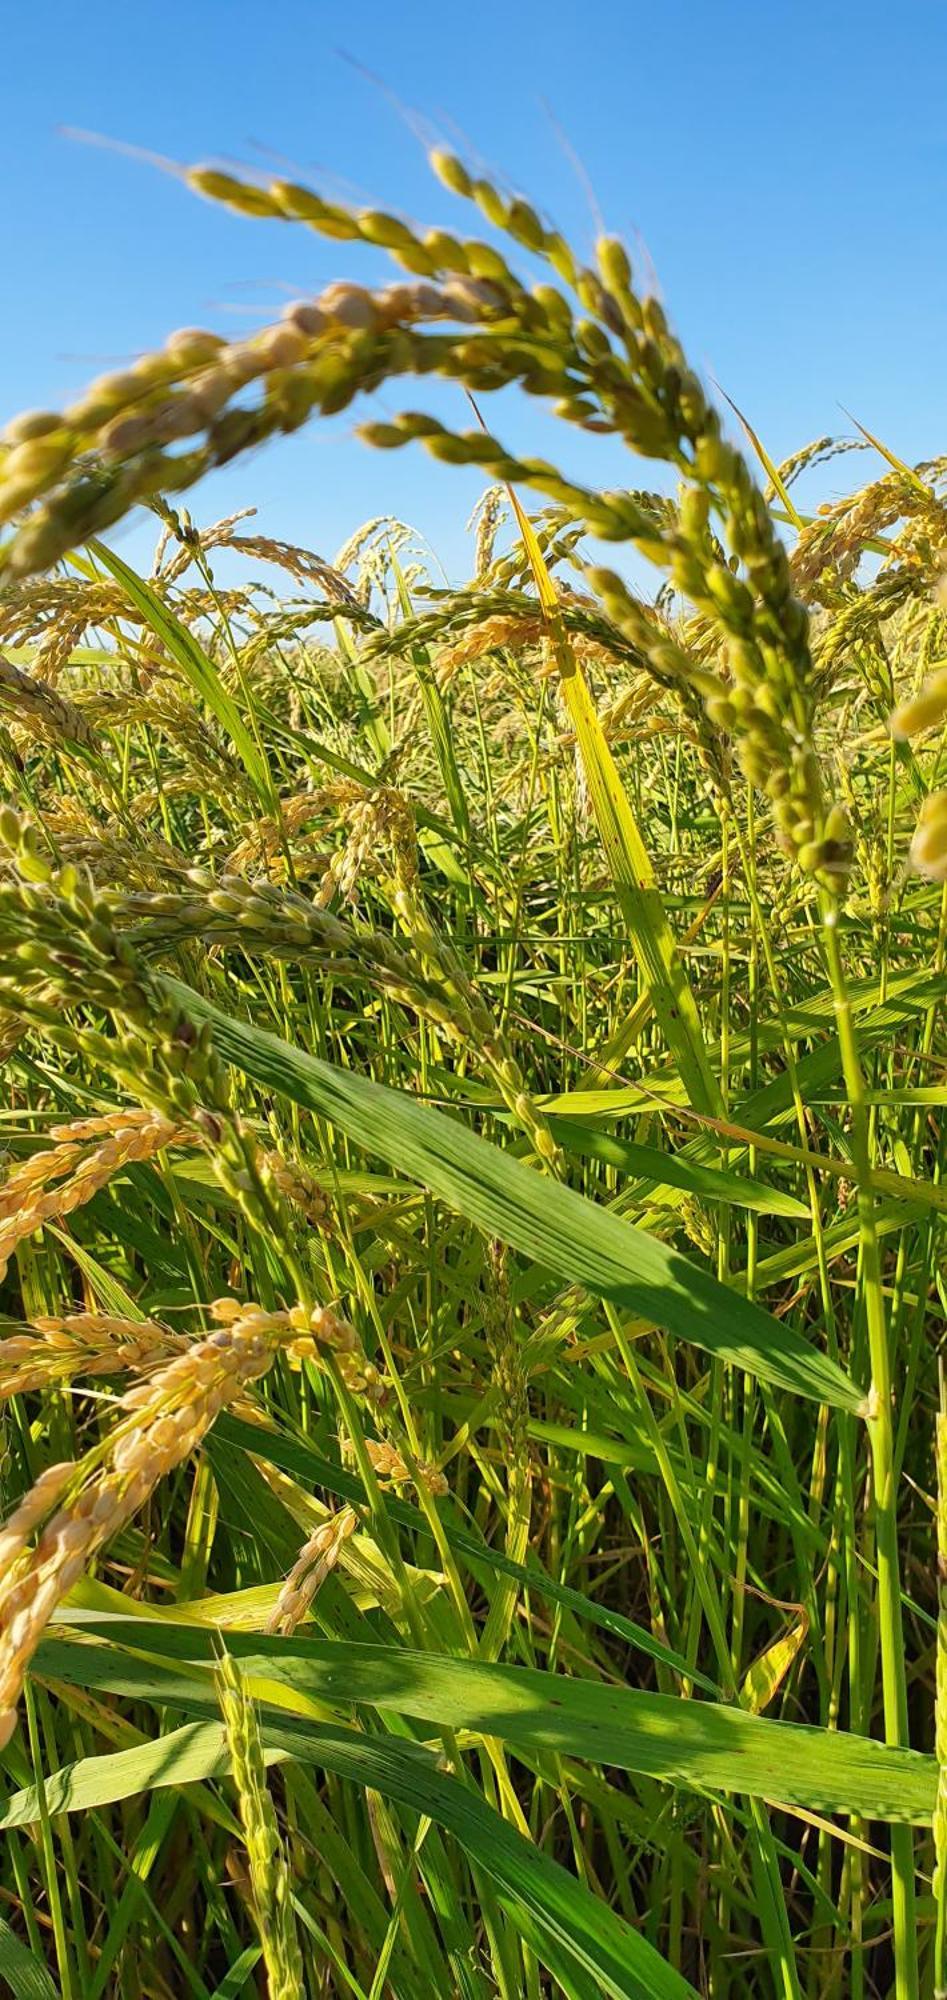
472	1185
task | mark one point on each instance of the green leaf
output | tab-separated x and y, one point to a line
698	1745
438	718
582	1242
636	890
675	1170
235	1981
196	667
26	1978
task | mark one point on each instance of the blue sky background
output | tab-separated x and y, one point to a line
782	168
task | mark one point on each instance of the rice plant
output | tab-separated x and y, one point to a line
474	1455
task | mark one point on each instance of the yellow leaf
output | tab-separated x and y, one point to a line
769	1670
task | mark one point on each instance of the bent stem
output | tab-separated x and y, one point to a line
880	1422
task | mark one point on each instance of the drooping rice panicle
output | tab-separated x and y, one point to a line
315	1561
168	1416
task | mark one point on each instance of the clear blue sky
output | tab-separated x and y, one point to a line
783	168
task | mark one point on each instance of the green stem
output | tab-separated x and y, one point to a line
881	1443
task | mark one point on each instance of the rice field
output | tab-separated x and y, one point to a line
471	1173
